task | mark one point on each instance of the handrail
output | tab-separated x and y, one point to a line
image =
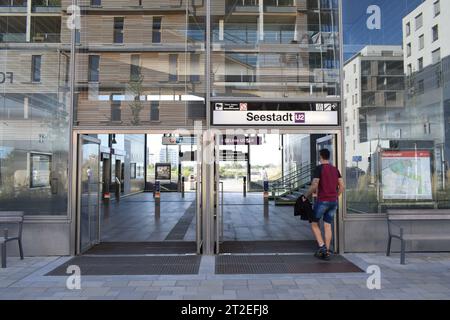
292	175
294	181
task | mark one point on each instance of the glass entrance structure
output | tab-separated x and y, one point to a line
124	70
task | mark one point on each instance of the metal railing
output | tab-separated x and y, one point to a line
292	182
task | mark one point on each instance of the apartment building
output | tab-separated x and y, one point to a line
426	62
373	102
425	35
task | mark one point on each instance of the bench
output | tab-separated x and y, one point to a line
11	218
395	217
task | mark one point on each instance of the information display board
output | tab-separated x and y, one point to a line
406	175
163	171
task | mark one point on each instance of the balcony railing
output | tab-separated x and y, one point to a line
13	37
13	8
46	6
46	37
248	34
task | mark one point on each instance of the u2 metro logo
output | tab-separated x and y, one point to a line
299	117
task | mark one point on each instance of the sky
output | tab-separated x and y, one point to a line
356	33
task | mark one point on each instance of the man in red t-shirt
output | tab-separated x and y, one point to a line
329	185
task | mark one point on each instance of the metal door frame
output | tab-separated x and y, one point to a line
81	138
201	191
338	235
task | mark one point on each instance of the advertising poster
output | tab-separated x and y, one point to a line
406	175
162	171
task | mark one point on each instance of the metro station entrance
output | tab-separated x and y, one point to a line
138	193
147	193
258	179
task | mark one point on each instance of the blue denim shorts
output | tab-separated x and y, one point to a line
325	210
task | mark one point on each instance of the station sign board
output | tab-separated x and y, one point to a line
235	140
317	114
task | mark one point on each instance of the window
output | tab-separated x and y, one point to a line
173	67
436	56
356	83
96	3
420	64
118	29
195	66
154	111
408	29
420	87
36	68
77	36
437	8
419	21
354	68
40	167
94	66
409	69
408	49
116	113
135	68
132	170
356	98
347	88
435	33
421	42
156	31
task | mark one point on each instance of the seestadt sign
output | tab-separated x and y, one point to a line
276	118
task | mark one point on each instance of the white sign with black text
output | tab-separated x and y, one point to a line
271	118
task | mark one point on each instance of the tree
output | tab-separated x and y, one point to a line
136	106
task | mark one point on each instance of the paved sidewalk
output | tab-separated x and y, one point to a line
426	276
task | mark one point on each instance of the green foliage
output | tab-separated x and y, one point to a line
136	106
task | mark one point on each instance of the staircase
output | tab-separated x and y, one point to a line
286	190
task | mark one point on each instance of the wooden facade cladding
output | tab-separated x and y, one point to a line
53	71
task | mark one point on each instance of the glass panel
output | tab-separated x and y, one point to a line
397	148
166	88
282	49
89	193
34	114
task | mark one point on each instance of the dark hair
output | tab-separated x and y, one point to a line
325	154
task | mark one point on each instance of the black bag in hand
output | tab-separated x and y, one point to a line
303	208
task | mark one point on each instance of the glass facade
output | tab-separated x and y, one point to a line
144	64
140	64
34	108
396	98
275	49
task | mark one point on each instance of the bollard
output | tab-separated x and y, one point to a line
157	194
244	186
182	187
266	199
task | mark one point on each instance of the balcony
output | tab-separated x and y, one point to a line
13	29
270	6
13	6
46	6
46	29
280	6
